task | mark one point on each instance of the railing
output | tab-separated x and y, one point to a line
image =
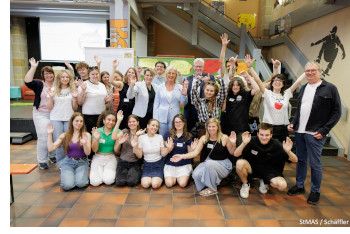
222	13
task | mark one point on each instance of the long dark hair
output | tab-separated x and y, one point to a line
242	86
172	131
103	116
69	134
134	117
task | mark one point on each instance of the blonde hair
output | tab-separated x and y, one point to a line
220	134
168	69
57	82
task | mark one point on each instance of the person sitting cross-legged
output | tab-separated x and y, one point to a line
264	158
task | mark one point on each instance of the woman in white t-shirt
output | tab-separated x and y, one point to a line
93	98
152	146
62	102
276	100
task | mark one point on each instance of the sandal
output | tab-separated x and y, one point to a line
207	192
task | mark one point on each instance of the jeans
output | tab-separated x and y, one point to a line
41	119
309	148
60	127
74	173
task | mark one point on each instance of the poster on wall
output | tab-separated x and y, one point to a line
329	49
283	24
247	19
185	65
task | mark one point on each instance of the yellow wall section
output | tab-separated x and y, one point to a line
313	31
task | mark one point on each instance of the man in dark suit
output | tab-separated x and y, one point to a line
190	111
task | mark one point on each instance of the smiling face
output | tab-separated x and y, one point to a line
148	77
130	73
109	121
105	78
48	76
118	77
179	124
212	128
277	84
171	76
264	136
313	73
198	67
152	127
236	88
133	123
64	79
83	72
94	75
78	122
209	91
160	69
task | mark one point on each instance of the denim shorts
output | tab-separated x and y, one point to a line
153	169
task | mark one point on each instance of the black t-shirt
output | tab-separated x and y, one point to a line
219	152
151	96
237	111
269	157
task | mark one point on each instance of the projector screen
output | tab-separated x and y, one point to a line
65	39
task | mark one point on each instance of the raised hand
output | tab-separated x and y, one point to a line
233	60
33	63
51	93
275	63
134	141
81	84
96	133
224	39
194	144
246	137
83	138
186	83
68	65
115	63
97	59
141	132
287	144
124	138
108	98
49	128
169	143
245	74
233	137
248	61
206	78
139	70
133	81
75	93
120	116
176	158
183	91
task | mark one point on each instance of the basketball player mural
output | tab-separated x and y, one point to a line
329	49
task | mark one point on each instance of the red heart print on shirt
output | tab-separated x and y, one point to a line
278	105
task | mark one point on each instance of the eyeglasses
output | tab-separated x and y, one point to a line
159	66
311	71
277	80
196	66
178	122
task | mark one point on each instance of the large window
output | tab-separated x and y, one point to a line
65	39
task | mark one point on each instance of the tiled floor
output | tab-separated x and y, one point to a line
40	202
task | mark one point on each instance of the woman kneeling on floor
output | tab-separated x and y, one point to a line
104	162
151	145
217	148
129	166
76	145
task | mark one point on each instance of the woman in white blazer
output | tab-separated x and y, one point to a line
168	98
144	93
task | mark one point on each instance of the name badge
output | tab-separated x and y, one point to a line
210	146
102	141
126	100
231	100
239	98
254	152
179	144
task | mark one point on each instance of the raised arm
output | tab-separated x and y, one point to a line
30	74
98	62
276	66
297	82
195	94
70	68
50	101
231	143
135	146
50	145
249	62
132	90
287	146
120	118
222	92
82	91
224	42
246	137
95	139
255	86
139	71
168	147
85	141
75	95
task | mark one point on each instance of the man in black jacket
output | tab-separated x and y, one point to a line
318	112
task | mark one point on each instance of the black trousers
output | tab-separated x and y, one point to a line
128	173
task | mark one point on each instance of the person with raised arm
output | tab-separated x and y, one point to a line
153	149
168	97
116	80
276	100
104	162
76	144
62	103
41	115
264	158
217	147
129	166
179	172
144	93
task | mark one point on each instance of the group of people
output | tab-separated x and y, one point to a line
100	115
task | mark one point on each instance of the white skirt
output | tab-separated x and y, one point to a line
172	171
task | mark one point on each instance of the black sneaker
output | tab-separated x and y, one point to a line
43	166
295	190
53	160
313	198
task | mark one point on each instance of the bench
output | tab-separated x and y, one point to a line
20	169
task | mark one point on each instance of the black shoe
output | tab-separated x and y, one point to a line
313	198
43	166
53	160
295	190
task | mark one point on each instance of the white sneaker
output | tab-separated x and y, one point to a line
244	192
263	188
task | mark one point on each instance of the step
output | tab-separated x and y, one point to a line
20	137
